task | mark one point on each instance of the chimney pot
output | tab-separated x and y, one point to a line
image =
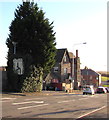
76	53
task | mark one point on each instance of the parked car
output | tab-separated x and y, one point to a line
50	88
107	89
101	90
107	80
88	90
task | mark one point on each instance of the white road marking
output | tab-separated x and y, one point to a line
33	98
87	95
66	101
91	112
61	96
73	100
7	98
6	101
82	98
28	102
31	106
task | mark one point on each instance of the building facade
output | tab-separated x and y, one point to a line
61	72
66	70
90	77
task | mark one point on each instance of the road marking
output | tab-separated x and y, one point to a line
61	96
82	98
7	98
33	98
88	95
91	112
31	106
66	101
28	102
6	101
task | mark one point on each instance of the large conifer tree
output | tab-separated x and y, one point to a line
35	40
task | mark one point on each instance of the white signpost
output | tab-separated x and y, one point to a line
18	66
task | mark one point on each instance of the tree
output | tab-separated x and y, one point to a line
35	40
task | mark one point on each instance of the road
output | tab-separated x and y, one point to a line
56	106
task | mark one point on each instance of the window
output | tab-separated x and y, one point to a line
97	78
65	58
55	69
65	70
91	77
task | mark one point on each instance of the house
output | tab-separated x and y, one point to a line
66	72
90	77
60	76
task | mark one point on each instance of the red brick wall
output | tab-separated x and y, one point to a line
90	79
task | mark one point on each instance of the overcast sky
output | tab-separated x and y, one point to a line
75	22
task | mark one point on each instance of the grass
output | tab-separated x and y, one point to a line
104	78
105	85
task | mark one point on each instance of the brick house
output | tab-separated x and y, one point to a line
61	72
90	77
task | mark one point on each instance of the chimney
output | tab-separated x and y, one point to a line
77	53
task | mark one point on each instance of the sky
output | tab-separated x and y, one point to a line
75	22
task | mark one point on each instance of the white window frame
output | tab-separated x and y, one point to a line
65	70
65	58
55	69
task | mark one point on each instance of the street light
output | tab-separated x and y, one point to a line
73	61
27	0
80	43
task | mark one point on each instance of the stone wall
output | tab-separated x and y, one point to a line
3	80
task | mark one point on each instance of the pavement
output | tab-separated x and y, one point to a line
43	93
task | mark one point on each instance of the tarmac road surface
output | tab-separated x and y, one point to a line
55	106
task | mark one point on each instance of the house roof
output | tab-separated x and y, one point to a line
88	72
60	54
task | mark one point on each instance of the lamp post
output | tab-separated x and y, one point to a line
74	63
27	0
